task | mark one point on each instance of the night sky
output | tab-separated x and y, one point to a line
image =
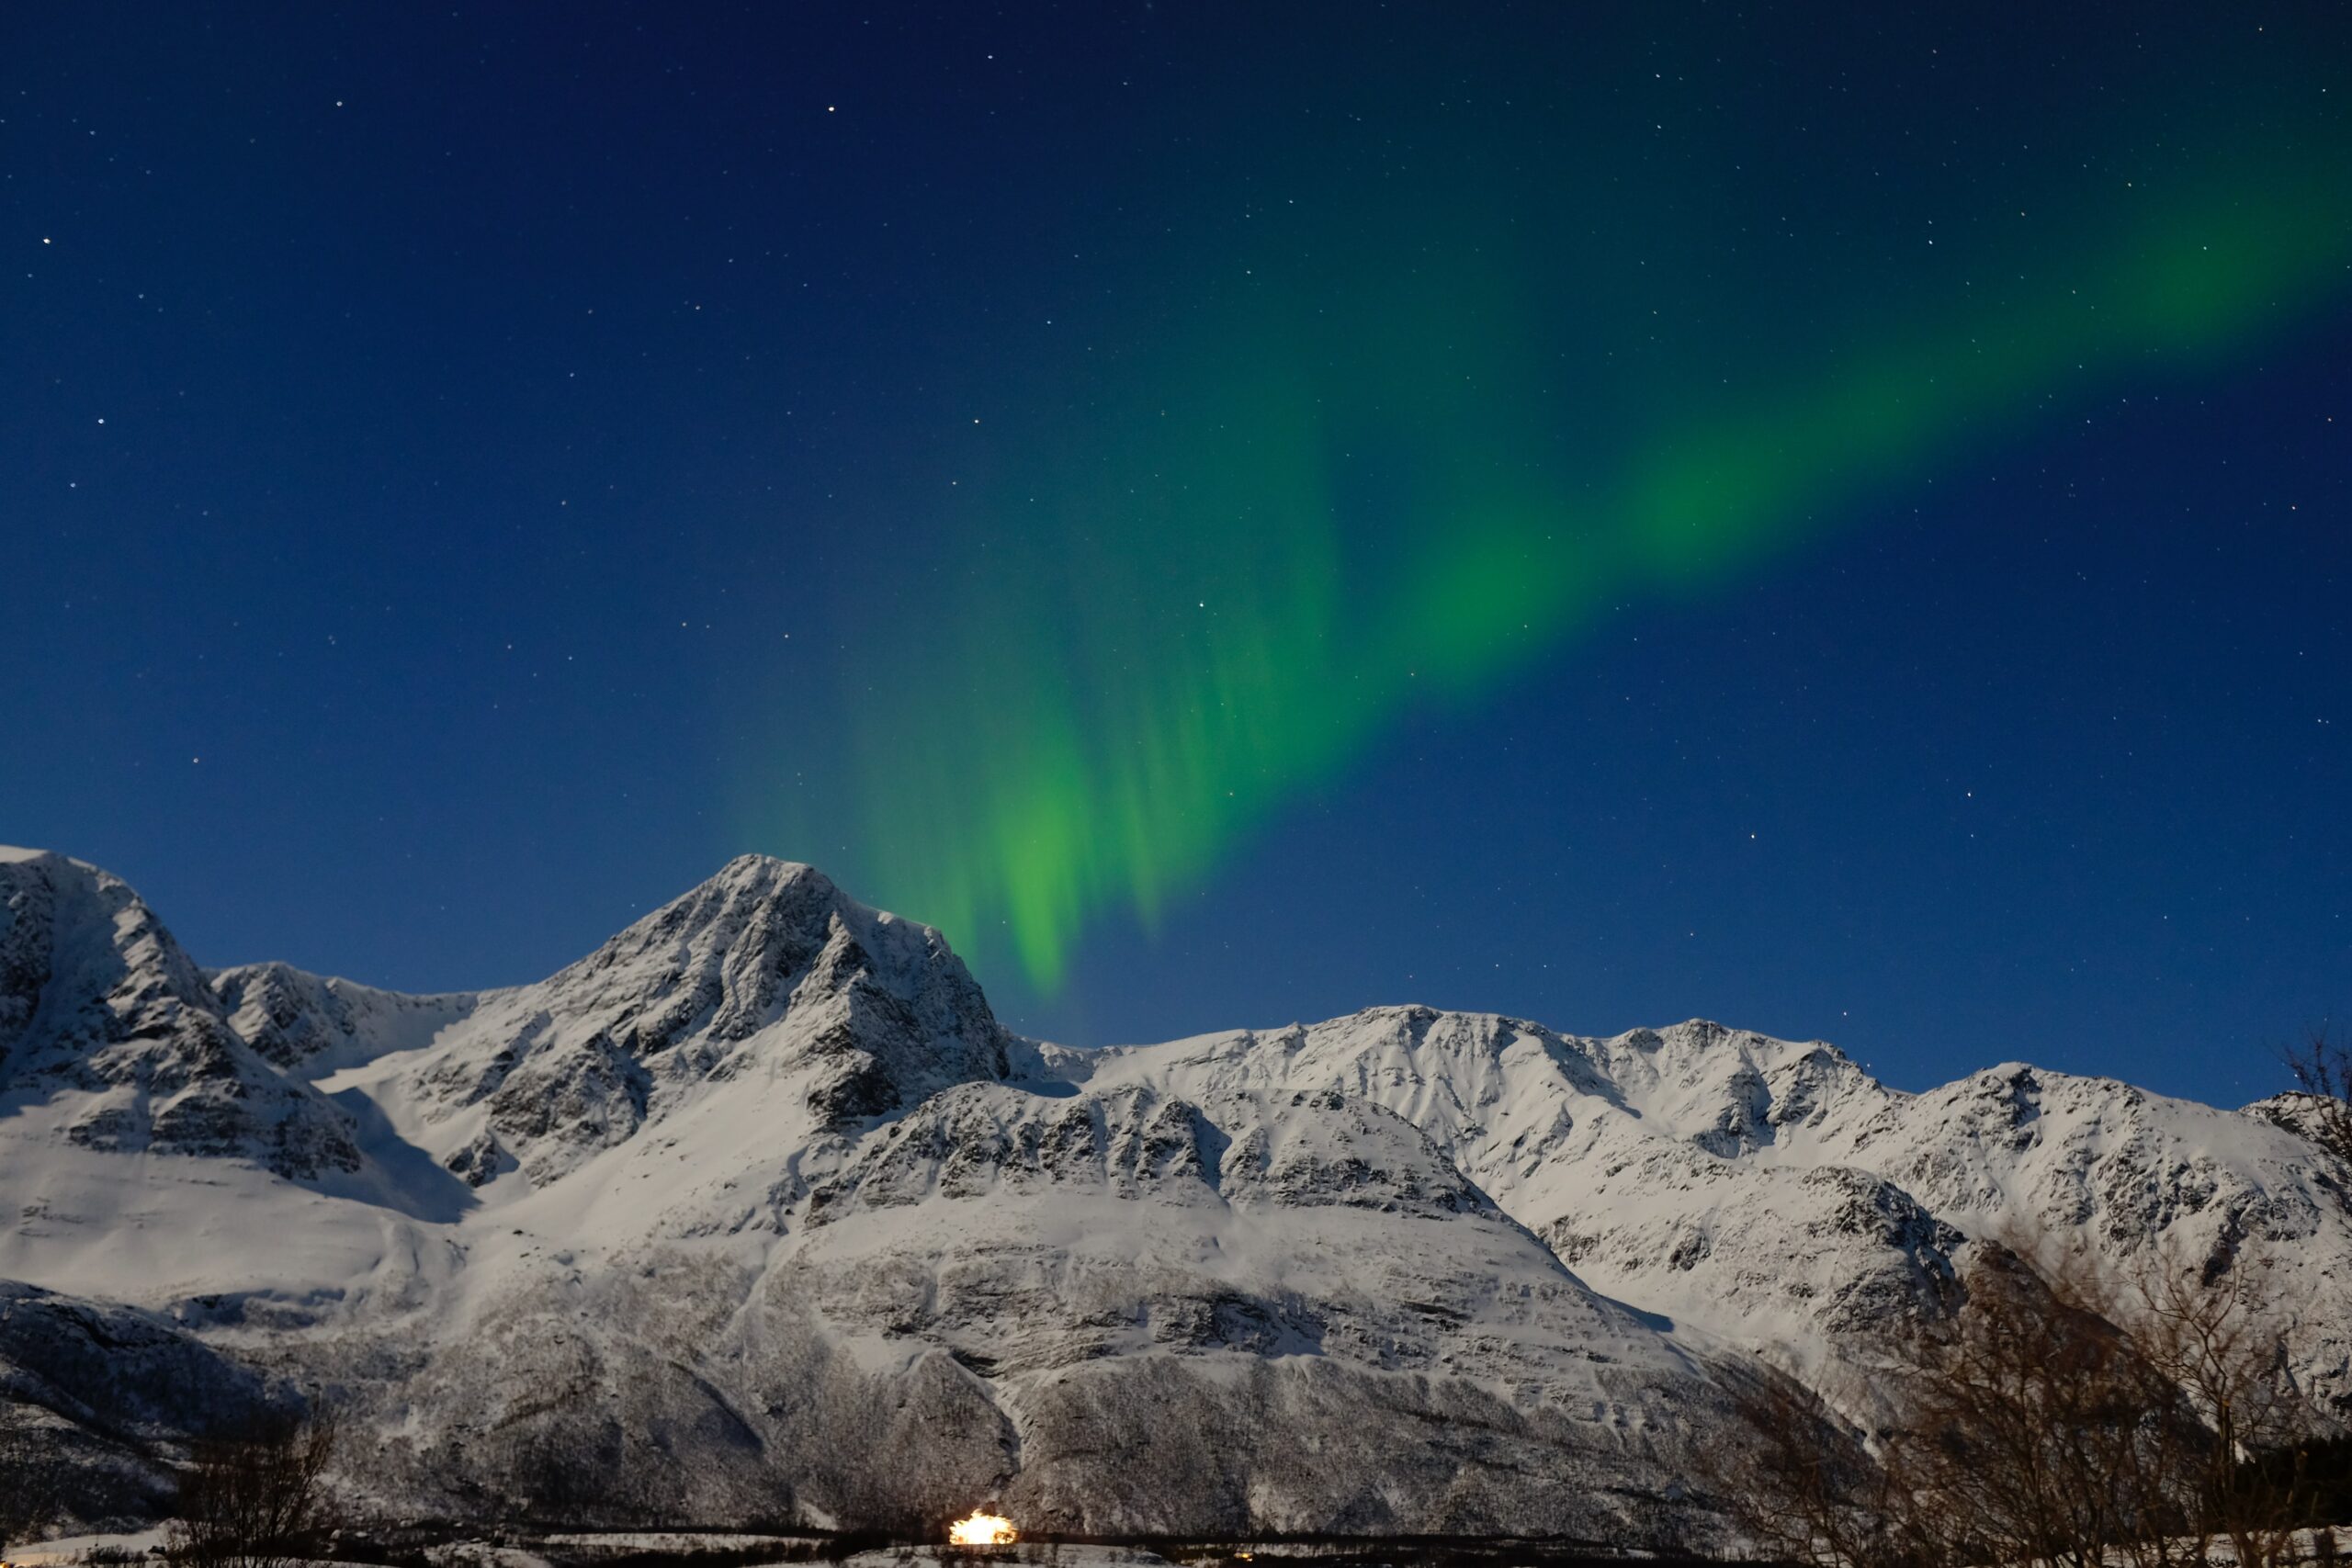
1835	519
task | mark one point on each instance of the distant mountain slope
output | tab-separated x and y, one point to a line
1774	1196
758	1206
301	1021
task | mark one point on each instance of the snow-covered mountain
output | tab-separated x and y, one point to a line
758	1210
106	1021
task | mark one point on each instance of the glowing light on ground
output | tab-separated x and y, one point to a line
982	1530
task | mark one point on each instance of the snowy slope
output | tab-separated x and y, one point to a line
1771	1195
757	1207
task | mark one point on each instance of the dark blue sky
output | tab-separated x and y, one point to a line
451	464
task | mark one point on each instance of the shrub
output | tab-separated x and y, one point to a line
256	1498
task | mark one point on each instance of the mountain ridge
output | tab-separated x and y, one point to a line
759	1199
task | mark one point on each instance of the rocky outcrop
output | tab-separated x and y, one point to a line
101	1008
767	970
297	1020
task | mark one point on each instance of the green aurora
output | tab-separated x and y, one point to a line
1409	443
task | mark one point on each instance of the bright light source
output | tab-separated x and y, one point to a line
982	1530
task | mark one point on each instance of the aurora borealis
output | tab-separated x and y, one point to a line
1381	466
1832	518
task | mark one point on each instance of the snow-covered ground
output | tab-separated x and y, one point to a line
80	1549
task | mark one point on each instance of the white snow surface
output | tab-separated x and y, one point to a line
760	1195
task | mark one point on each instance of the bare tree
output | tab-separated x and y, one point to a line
2323	1069
2058	1415
255	1499
1800	1484
2202	1326
2033	1429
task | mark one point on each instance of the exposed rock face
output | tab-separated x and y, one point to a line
294	1020
767	969
100	1008
758	1207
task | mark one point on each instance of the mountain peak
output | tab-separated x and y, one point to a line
753	865
766	964
728	952
105	1018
